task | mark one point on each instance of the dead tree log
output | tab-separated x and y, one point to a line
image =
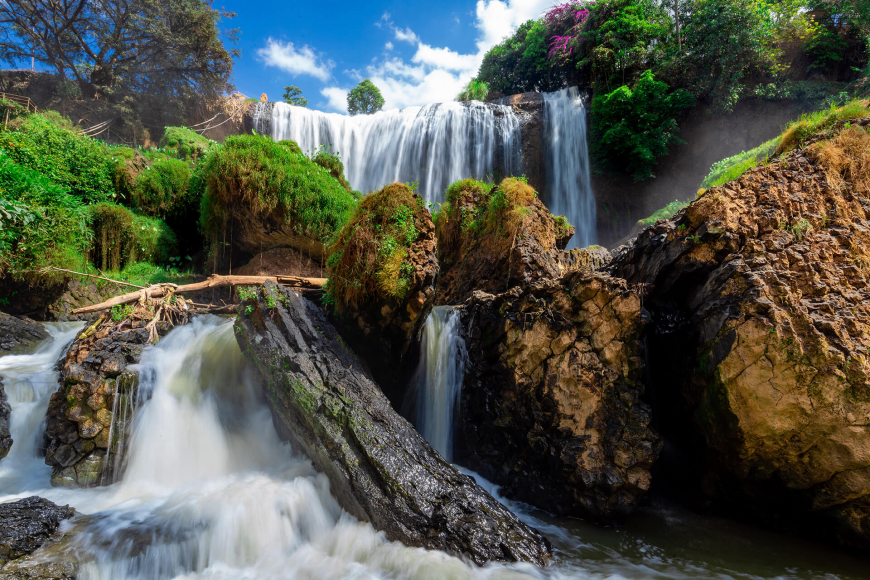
214	281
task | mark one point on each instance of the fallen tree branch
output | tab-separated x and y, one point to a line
214	281
92	276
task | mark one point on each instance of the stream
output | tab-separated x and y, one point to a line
211	492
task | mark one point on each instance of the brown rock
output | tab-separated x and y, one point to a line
551	406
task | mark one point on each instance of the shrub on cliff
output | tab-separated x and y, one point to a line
161	187
332	163
369	257
261	176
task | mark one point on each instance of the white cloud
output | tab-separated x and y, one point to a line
406	35
385	19
303	61
444	58
336	98
389	46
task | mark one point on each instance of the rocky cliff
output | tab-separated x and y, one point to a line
19	333
380	469
771	274
552	405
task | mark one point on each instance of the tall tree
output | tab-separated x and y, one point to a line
364	99
162	47
293	96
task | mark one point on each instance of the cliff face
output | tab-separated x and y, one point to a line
551	404
771	272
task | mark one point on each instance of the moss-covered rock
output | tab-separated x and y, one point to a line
491	238
551	406
772	275
382	270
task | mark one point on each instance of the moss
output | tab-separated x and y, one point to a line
369	258
186	143
161	187
261	176
563	228
332	163
122	237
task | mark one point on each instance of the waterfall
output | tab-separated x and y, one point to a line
569	184
434	145
442	369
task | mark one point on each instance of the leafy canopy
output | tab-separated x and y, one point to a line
634	127
293	96
364	99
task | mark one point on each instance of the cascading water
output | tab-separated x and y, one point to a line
434	145
210	492
442	369
569	183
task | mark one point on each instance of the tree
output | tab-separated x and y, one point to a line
364	99
633	128
293	96
169	48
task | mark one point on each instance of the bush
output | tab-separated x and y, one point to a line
186	143
40	224
121	237
84	166
475	90
264	176
162	187
369	258
332	163
633	128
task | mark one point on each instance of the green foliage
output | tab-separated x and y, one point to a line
664	213
633	128
733	167
519	64
562	226
121	237
261	176
332	163
475	90
82	165
369	258
40	224
186	143
145	274
293	96
162	187
121	312
364	99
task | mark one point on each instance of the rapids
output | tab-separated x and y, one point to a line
211	492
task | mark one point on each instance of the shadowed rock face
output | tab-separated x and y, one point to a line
772	273
18	334
5	436
551	406
27	524
380	469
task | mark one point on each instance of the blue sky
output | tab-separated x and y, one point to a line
415	52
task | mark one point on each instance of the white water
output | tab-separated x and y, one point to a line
211	493
434	145
442	369
569	183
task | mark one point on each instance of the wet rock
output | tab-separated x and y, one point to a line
5	435
771	272
29	568
18	334
27	524
90	415
380	469
551	405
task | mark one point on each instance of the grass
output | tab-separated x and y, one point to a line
793	136
662	214
122	237
369	258
143	274
845	158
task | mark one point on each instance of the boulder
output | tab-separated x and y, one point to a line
770	273
27	524
90	416
5	435
551	406
380	469
19	333
282	262
492	250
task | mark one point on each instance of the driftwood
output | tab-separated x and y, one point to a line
215	281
